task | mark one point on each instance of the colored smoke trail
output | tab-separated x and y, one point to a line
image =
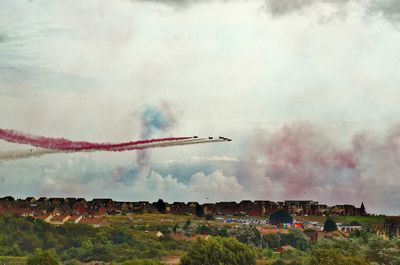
154	119
145	144
68	145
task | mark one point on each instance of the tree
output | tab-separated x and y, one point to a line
330	225
221	251
199	210
44	258
248	234
331	256
280	217
161	206
382	251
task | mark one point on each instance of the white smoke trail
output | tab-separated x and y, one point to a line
20	154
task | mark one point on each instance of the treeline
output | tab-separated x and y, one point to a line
22	236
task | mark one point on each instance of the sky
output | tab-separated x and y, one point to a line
308	91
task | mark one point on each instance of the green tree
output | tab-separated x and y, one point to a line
248	234
219	251
280	217
331	256
383	252
87	245
44	258
161	206
330	225
199	210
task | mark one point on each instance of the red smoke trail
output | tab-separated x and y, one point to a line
37	152
75	146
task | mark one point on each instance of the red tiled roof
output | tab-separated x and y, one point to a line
42	217
59	218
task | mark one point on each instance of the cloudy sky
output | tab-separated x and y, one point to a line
308	90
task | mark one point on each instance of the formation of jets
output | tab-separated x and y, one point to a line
220	138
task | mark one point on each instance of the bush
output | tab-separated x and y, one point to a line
221	251
43	258
333	257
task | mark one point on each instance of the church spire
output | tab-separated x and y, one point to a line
362	209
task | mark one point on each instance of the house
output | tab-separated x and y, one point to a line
267	207
19	212
209	208
43	201
226	208
178	208
7	202
56	201
321	209
74	219
247	207
125	207
30	199
59	219
80	207
191	207
45	217
337	210
101	211
300	207
144	207
108	204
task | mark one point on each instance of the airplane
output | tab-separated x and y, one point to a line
225	139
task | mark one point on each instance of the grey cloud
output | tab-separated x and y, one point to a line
388	9
280	8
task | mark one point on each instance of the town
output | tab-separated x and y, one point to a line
61	207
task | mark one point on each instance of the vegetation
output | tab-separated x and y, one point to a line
22	236
330	225
221	251
44	258
134	241
280	217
